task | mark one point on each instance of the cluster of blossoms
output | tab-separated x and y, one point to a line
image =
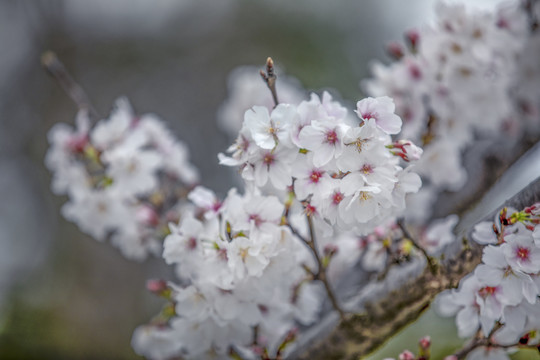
500	299
248	266
247	282
470	74
125	177
248	277
346	174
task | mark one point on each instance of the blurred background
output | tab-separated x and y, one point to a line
62	294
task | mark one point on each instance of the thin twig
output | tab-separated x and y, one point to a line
321	273
58	71
432	263
485	342
269	78
297	234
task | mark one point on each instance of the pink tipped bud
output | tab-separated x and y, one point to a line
425	342
156	286
406	355
330	250
147	215
395	50
451	357
406	150
77	143
413	37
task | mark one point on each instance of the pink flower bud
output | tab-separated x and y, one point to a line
425	342
395	50
330	250
147	215
156	286
406	355
413	37
77	143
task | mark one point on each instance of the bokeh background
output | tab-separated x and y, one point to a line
64	295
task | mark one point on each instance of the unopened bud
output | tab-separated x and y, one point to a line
158	287
147	215
413	37
395	50
425	342
77	143
406	355
330	250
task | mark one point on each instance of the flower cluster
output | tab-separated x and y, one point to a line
345	174
500	298
124	177
245	271
468	75
248	278
324	192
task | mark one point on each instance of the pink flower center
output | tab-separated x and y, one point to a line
315	176
310	210
337	197
256	218
268	159
415	72
331	137
487	291
77	143
192	243
369	115
367	169
522	253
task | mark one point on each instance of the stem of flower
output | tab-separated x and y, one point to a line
432	263
321	272
269	78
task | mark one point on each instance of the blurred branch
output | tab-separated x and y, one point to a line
58	71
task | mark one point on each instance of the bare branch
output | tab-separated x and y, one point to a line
58	71
270	78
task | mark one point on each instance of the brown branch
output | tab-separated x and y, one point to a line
58	71
269	78
362	333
